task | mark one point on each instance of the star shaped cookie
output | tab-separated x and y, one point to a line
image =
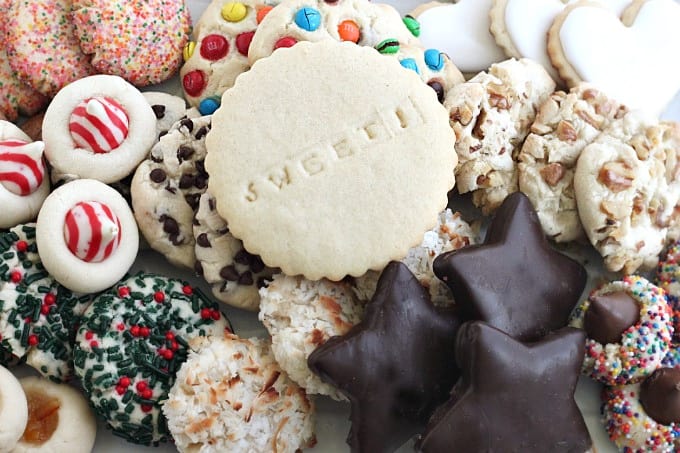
512	397
395	366
515	280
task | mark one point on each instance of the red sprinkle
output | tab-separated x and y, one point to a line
16	276
22	246
124	381
158	296
89	335
167	354
215	315
123	291
147	394
32	339
146	408
121	326
134	330
188	290
144	331
169	336
50	299
94	344
205	313
45	309
121	390
141	386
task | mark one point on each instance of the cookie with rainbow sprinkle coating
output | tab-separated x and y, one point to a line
139	41
38	316
629	329
668	278
130	345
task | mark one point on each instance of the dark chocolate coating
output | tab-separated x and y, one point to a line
515	280
660	395
609	315
396	366
512	396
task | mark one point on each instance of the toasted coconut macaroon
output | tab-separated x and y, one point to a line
231	395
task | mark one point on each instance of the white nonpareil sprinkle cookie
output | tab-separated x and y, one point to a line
491	115
564	125
450	233
130	345
98	127
231	395
627	188
301	315
166	189
24	180
234	274
384	149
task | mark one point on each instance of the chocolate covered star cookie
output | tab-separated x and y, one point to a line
395	366
515	280
512	397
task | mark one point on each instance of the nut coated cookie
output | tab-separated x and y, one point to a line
166	189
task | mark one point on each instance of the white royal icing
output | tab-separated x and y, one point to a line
461	30
636	65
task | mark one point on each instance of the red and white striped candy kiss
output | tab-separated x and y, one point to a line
99	124
91	231
21	166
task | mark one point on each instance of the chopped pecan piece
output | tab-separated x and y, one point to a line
616	175
566	131
552	173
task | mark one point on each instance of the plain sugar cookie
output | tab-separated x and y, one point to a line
99	127
348	176
87	235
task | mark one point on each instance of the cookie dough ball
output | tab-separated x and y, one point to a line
59	419
98	127
645	416
87	235
13	411
131	342
168	110
234	274
24	182
166	189
231	395
628	323
450	233
301	315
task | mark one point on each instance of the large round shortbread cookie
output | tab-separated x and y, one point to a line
323	176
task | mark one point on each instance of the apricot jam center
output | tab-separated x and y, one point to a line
43	417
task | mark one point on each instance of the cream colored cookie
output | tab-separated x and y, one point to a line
59	419
461	30
234	274
491	115
627	190
168	110
627	58
301	315
324	192
565	124
13	411
87	236
450	233
218	51
520	26
231	395
167	186
24	181
98	127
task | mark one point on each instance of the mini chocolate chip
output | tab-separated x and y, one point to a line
188	124
193	200
246	279
158	110
242	257
200	167
201	133
438	88
157	175
229	273
174	238
170	189
170	225
256	264
156	158
184	152
201	182
162	134
211	203
198	268
203	240
223	231
262	282
186	181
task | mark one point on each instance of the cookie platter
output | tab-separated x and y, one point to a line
332	417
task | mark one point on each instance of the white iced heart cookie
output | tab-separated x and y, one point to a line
520	26
461	30
589	43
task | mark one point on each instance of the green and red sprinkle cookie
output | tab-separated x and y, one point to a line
130	345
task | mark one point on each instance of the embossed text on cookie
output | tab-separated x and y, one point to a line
379	127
